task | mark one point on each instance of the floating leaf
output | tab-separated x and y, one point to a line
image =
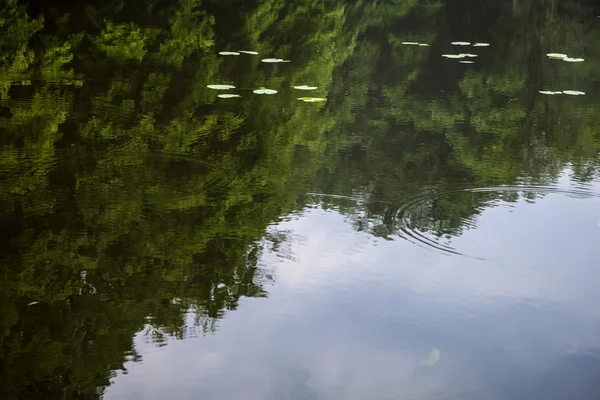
569	59
481	44
411	43
263	90
557	55
423	45
229	53
559	92
228	95
248	52
547	92
304	87
467	62
33	303
452	55
432	358
468	55
220	87
461	43
573	92
274	60
312	99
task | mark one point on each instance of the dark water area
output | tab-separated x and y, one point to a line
318	199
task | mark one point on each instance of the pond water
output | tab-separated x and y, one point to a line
319	199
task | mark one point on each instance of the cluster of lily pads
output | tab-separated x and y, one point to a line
261	90
462	56
254	53
416	44
569	92
563	57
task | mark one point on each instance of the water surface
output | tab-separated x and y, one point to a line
310	200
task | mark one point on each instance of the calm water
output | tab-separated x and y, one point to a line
418	220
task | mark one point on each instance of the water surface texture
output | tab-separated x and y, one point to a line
300	200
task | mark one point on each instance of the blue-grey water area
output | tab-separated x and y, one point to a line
294	200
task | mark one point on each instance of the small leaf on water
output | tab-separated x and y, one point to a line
557	55
411	43
547	92
559	92
229	53
304	87
220	87
248	52
461	43
263	90
573	92
312	99
481	45
569	59
33	303
467	62
432	358
423	45
228	95
274	60
452	55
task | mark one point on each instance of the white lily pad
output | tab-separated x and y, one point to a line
466	62
557	55
559	92
220	87
274	60
463	55
452	55
312	99
481	44
461	43
263	90
547	92
248	52
432	358
573	92
424	45
228	95
569	59
411	43
304	87
229	53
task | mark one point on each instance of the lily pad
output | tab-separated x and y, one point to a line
557	55
573	92
229	53
423	45
274	60
569	59
478	44
431	359
452	55
228	95
248	52
411	43
220	87
461	43
547	92
304	87
312	99
468	55
263	90
467	62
